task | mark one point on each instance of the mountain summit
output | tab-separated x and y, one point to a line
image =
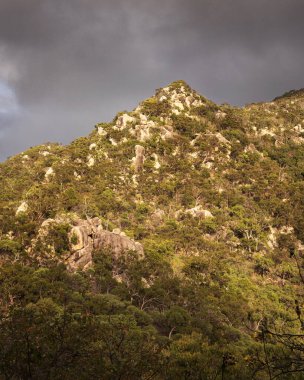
176	99
166	244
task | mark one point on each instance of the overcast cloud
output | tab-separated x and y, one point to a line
67	64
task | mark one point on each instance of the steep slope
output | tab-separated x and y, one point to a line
213	193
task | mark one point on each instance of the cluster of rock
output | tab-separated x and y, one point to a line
180	98
87	236
196	212
138	124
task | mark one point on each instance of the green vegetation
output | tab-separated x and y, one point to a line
218	207
153	107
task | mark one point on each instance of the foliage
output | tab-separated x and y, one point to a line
218	207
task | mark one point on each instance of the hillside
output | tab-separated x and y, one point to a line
168	244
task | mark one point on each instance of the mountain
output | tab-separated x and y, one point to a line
168	244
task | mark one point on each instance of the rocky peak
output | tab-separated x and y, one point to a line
154	115
177	87
180	96
175	98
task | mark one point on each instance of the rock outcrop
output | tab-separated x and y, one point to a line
91	161
85	237
195	212
179	96
157	217
49	172
22	208
199	212
139	158
123	121
89	235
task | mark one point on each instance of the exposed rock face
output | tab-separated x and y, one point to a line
113	141
49	173
298	128
272	238
267	132
22	208
157	217
275	233
101	131
91	161
220	115
222	139
180	97
116	243
139	158
88	235
82	243
77	176
195	212
157	164
199	212
142	132
166	132
123	120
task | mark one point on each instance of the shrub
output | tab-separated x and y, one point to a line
152	107
9	247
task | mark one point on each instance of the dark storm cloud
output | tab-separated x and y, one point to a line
72	63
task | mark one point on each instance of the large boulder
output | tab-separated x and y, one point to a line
117	244
88	236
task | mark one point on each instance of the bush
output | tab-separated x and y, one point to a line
9	247
58	235
152	107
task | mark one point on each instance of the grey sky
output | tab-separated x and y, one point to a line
67	64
